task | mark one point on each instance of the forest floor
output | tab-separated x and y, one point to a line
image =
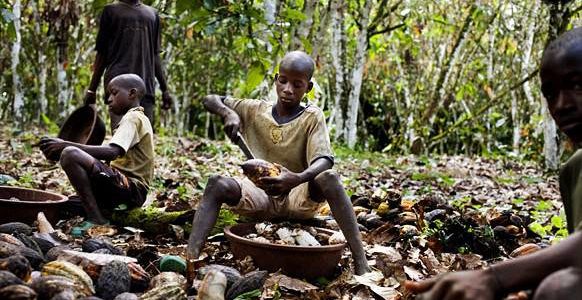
419	215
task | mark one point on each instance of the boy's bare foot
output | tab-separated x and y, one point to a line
361	266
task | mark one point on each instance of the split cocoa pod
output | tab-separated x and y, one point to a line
254	169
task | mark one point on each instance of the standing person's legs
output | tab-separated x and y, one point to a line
147	102
328	185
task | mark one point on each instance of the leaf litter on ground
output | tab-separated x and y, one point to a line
419	216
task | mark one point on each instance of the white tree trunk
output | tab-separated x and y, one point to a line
336	118
302	31
356	80
18	103
550	138
62	85
410	133
527	48
270	10
516	124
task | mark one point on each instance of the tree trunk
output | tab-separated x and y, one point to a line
18	104
445	69
337	35
302	31
356	80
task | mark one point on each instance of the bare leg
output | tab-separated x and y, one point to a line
77	164
219	190
565	284
328	183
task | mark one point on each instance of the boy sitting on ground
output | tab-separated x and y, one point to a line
130	151
295	137
555	272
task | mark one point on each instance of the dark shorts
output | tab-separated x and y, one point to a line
112	188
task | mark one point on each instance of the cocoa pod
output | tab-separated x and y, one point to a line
7	278
32	256
73	272
165	278
113	280
17	265
525	249
17	292
93	244
213	286
232	274
126	296
254	169
15	227
49	286
167	292
251	281
10	239
65	295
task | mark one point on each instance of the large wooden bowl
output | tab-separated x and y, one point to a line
23	205
297	261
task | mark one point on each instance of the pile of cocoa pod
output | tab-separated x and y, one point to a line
45	264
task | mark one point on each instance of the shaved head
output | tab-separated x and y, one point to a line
130	81
298	61
570	40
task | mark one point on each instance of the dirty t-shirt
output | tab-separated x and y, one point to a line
571	190
135	135
129	39
294	145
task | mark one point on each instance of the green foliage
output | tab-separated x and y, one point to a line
225	218
254	294
52	127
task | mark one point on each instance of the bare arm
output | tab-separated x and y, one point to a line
505	277
167	99
159	73
52	149
232	122
98	70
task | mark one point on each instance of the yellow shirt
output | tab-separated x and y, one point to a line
135	135
294	145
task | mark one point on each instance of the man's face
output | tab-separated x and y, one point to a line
561	76
291	86
119	98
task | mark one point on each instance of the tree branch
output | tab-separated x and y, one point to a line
466	117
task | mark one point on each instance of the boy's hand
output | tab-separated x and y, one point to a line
167	100
466	285
280	184
52	147
232	125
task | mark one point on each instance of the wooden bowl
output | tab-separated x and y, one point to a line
23	205
297	261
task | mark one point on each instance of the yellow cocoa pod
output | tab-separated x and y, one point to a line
254	169
525	249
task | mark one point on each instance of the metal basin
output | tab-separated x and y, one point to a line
83	126
22	205
296	261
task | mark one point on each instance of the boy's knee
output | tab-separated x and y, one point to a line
69	155
564	284
327	177
223	186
